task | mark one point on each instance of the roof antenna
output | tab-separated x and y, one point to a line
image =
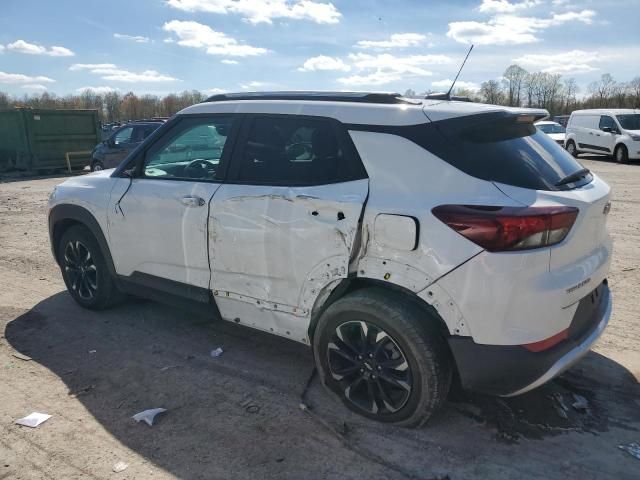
447	96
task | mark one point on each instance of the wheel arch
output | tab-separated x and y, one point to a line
62	217
351	284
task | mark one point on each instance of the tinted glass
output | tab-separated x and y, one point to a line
123	136
606	121
291	151
630	121
193	152
551	128
496	147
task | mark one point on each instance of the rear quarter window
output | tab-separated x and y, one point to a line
495	147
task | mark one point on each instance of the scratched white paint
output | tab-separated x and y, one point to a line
280	246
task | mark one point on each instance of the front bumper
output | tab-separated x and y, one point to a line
513	370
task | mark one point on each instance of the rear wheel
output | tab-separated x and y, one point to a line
571	148
85	271
383	356
96	166
620	154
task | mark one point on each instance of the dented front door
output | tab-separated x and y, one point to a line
274	248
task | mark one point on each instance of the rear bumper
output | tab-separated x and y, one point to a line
513	370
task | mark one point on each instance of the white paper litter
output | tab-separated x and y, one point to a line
120	467
216	352
33	419
632	449
148	415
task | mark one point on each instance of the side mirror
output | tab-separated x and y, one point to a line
110	142
607	129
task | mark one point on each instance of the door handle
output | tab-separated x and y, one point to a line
192	201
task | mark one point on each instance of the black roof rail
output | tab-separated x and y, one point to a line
446	96
357	97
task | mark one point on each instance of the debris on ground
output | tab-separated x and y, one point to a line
559	405
92	351
148	416
82	391
33	419
632	449
216	352
169	367
22	356
581	404
120	467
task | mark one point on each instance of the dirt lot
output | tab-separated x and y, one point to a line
238	416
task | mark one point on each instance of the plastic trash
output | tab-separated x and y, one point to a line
120	467
216	352
580	403
33	419
632	449
22	356
148	416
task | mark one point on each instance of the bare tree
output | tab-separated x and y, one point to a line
634	86
514	77
491	92
602	89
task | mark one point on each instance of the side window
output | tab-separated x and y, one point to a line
291	151
148	130
123	136
192	150
606	121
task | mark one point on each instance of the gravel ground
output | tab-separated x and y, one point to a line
238	416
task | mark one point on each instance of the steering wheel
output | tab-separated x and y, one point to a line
200	168
297	150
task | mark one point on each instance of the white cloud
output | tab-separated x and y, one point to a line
20	78
504	6
322	62
35	86
386	68
91	66
512	29
98	90
1	48
253	85
109	71
133	38
261	11
397	40
196	35
20	46
574	61
213	91
226	61
446	84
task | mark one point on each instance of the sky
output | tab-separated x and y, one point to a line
164	46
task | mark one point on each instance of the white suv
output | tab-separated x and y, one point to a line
613	132
403	240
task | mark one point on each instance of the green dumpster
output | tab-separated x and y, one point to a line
39	139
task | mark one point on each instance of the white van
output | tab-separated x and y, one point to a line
613	132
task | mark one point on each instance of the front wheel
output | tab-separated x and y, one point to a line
571	148
383	356
85	270
621	154
96	166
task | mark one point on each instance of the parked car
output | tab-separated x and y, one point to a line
561	119
554	130
403	240
614	132
110	152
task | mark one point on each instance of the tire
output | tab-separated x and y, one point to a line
572	149
411	364
96	166
621	154
85	270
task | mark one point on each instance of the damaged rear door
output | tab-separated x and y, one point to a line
283	226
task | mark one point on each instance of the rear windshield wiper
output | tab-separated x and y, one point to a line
583	172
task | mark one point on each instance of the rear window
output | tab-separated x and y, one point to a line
551	128
496	147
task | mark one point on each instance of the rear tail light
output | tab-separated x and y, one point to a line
547	343
499	229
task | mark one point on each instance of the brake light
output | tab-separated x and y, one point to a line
548	342
499	229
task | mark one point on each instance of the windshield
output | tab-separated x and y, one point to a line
630	121
551	128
